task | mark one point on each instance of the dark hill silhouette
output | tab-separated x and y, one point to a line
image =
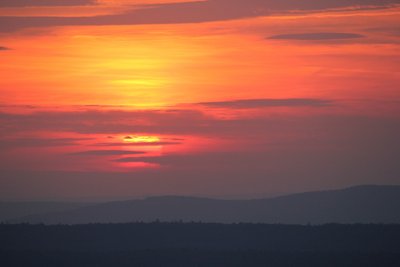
362	204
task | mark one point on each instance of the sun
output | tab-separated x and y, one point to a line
141	139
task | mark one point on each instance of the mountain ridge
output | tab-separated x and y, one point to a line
358	204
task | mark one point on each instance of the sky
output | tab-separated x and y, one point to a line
116	99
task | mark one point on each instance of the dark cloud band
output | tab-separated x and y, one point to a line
316	36
142	144
26	3
260	103
191	12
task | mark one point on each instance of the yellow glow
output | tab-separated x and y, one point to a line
141	139
140	82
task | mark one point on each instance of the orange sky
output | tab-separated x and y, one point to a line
167	65
87	87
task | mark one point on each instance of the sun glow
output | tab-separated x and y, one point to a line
141	139
153	83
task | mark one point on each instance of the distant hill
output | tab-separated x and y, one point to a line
12	210
361	204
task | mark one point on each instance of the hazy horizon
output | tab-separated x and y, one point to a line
106	199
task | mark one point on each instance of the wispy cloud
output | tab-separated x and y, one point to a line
40	142
3	48
106	153
166	159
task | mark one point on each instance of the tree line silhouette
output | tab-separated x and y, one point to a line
199	244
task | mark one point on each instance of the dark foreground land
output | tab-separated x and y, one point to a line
198	244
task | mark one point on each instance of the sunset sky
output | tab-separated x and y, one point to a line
113	99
